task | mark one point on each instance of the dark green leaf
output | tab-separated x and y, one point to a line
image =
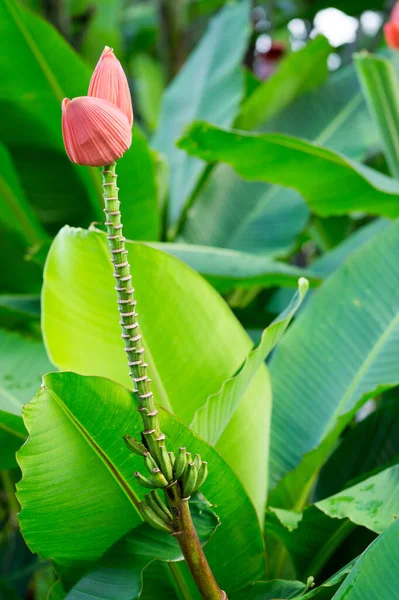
89	456
22	312
38	70
149	85
15	212
209	86
349	328
23	360
139	190
227	270
309	168
369	445
295	540
375	574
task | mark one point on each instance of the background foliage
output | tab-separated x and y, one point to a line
262	152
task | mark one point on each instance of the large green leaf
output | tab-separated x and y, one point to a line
380	83
86	455
335	115
181	318
69	501
20	228
292	162
211	419
17	275
373	503
375	574
338	353
300	72
139	190
23	360
257	217
330	261
244	216
230	269
39	69
21	312
210	87
40	171
15	212
313	537
296	541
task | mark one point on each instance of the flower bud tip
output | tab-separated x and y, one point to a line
109	82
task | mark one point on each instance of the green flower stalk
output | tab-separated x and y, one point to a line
94	128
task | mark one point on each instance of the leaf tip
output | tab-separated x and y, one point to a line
303	285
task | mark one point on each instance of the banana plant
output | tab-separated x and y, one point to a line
173	425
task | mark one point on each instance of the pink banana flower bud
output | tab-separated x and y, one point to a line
109	83
391	29
95	132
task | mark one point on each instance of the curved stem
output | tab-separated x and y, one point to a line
190	545
183	527
179	581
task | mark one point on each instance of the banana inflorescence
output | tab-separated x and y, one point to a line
189	472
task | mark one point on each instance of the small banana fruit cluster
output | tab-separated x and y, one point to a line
156	513
190	473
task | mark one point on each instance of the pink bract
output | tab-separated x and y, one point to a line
109	82
95	131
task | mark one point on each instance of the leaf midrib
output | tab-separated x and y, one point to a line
96	448
30	42
364	366
32	232
268	339
390	119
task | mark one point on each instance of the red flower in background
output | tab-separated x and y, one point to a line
391	29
